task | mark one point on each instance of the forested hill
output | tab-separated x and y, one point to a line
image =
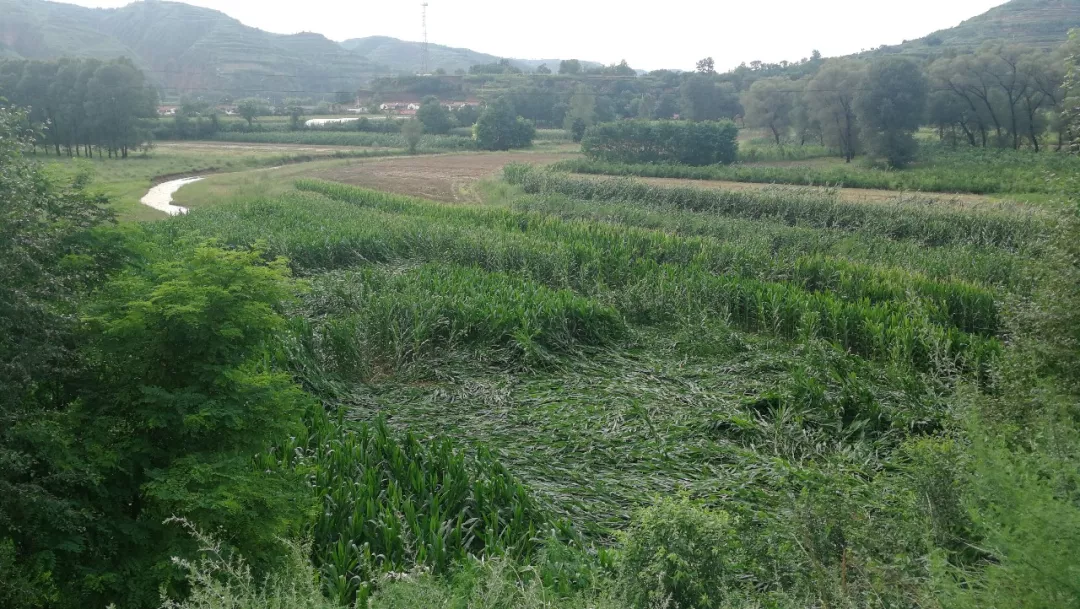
1035	23
191	49
404	56
181	46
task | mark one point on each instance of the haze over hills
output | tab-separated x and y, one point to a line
1042	24
191	49
188	49
404	56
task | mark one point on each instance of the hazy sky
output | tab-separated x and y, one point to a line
649	34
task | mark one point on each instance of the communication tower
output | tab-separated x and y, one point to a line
424	48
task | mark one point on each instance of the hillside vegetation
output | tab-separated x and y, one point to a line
197	49
1042	24
402	56
182	46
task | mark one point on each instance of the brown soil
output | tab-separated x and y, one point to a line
450	177
447	177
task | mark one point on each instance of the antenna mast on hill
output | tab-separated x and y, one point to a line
424	49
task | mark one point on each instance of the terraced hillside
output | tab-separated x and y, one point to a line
1038	23
404	56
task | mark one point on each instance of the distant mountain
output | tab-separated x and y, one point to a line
1037	23
404	56
189	49
182	47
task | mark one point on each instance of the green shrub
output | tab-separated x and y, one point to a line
688	143
219	579
677	554
500	128
491	584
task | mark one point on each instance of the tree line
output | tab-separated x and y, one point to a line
82	107
1002	95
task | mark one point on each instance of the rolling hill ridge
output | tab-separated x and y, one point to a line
189	49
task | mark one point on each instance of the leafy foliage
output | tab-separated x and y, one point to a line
891	109
679	554
701	143
499	128
434	117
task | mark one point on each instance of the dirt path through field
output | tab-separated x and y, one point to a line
447	177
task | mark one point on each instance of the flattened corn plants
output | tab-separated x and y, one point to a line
397	503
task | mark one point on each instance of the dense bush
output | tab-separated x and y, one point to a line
688	143
500	128
679	555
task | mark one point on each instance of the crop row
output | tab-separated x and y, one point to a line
969	307
390	503
317	233
344	138
931	226
990	267
377	318
978	172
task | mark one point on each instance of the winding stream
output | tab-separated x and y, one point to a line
160	196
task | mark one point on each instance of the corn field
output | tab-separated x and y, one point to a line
537	366
939	169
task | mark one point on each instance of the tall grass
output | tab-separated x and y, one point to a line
968	170
321	234
964	262
755	152
971	308
392	503
929	225
378	318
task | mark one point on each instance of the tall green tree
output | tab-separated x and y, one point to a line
582	107
703	99
890	108
180	392
117	97
251	108
413	131
500	128
830	97
570	66
768	104
434	116
50	257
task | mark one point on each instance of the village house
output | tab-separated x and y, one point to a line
409	105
